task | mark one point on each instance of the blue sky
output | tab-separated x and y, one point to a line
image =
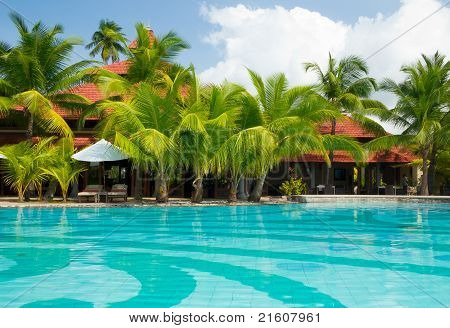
81	17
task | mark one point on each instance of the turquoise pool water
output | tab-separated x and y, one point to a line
300	255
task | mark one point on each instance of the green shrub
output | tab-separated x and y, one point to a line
293	186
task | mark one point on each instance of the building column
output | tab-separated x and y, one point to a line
313	175
378	175
358	180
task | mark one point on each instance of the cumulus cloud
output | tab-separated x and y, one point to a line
277	39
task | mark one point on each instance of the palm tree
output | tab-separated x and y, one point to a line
292	115
152	73
150	61
422	111
24	165
144	127
225	120
109	41
35	76
346	86
192	138
246	153
64	169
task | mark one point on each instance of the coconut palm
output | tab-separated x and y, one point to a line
35	76
346	86
246	153
225	120
292	115
150	71
24	165
192	138
63	168
421	110
108	41
149	61
144	127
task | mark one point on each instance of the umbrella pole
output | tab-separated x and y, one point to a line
103	175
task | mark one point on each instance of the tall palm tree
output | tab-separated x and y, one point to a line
192	138
108	41
292	115
421	110
35	76
246	153
144	128
151	71
150	61
347	86
24	165
225	120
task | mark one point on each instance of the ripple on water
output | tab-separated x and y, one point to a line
442	258
300	266
343	248
6	263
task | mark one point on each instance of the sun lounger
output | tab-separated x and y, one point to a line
118	191
90	191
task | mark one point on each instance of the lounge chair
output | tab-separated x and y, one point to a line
326	190
90	191
389	190
118	191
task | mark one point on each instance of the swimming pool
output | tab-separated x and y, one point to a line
299	255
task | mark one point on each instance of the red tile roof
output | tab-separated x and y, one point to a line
89	91
348	127
78	142
81	142
120	67
395	155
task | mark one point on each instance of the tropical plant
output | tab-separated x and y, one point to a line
108	41
293	186
442	168
144	127
24	165
35	76
152	73
346	86
225	120
246	153
192	138
63	168
292	115
149	61
421	110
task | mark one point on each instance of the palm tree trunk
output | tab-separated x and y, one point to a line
424	186
232	193
162	194
331	154
64	194
432	170
197	196
255	195
39	190
138	185
20	193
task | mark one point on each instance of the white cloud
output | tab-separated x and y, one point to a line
277	39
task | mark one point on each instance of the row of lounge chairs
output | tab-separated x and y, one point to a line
95	192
